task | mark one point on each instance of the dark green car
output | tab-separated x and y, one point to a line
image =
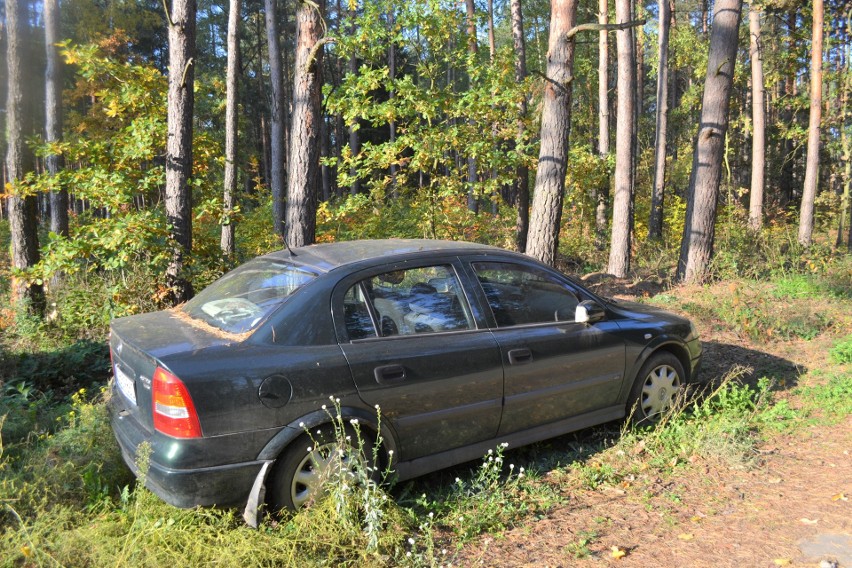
462	346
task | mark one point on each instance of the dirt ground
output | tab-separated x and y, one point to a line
792	508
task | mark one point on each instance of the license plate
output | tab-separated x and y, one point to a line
125	385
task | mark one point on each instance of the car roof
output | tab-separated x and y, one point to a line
328	256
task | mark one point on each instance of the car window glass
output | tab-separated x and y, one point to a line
521	295
239	301
418	300
359	323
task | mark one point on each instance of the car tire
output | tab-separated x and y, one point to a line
656	389
300	473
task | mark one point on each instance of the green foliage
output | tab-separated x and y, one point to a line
61	370
831	401
760	317
841	353
360	217
444	103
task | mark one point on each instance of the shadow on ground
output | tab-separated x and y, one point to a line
722	359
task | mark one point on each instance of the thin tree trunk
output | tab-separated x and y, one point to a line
472	202
655	222
602	192
619	253
788	117
19	161
806	215
231	133
278	110
758	112
53	114
304	142
699	229
546	214
354	138
845	142
492	46
521	173
179	147
392	92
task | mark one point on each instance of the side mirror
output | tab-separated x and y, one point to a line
589	312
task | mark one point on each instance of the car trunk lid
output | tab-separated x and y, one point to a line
141	343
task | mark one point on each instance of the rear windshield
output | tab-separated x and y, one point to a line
241	299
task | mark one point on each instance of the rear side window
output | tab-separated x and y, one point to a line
241	299
520	295
407	302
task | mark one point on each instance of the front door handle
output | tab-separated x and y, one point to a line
520	356
389	374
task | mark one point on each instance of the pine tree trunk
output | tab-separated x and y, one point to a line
277	127
699	229
392	93
472	177
758	113
354	138
546	214
619	253
602	192
19	161
806	214
179	146
655	222
522	181
231	97
304	141
53	114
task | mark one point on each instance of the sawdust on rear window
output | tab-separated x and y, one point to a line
178	313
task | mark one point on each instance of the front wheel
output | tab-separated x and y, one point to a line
312	461
656	388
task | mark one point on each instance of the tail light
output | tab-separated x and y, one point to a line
174	413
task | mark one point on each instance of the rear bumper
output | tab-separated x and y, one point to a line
221	485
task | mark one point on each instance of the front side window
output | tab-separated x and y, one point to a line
416	300
241	299
520	295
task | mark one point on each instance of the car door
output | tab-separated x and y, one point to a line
416	349
554	368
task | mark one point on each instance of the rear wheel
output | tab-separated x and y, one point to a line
656	388
310	462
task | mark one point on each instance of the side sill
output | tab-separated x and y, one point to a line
428	464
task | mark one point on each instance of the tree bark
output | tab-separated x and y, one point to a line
472	201
806	214
392	91
546	215
655	222
231	125
602	192
758	112
277	127
354	138
619	253
699	229
179	146
304	164
522	172
53	114
19	161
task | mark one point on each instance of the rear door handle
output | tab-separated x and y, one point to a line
389	374
520	356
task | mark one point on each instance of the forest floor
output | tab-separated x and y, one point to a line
789	506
